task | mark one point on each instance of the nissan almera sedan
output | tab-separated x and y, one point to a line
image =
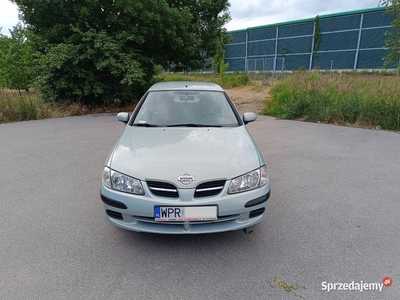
185	164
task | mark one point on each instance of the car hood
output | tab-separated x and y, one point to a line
166	153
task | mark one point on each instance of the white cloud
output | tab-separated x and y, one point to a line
265	12
8	15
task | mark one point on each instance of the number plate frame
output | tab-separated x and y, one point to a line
185	213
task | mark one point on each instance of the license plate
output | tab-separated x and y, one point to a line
194	213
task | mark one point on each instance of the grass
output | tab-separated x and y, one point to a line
15	106
346	98
25	106
225	81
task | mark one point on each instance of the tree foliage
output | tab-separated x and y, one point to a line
393	38
99	51
220	66
207	21
16	60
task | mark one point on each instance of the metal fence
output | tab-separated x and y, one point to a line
265	69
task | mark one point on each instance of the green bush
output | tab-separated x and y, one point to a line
234	80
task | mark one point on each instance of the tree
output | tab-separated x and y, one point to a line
393	38
97	51
16	60
3	51
208	19
220	66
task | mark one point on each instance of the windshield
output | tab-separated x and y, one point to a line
188	108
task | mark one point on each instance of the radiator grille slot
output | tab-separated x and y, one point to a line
208	189
163	189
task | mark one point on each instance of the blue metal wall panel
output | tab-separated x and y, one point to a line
341	60
295	45
295	62
298	29
261	48
372	59
262	33
236	64
238	37
340	23
373	38
339	41
376	19
235	50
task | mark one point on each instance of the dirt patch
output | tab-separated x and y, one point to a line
249	98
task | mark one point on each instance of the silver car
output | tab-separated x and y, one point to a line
185	164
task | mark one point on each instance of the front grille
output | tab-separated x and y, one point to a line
163	189
211	188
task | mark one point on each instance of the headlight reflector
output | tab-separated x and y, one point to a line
121	182
249	181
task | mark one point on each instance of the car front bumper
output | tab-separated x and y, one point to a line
136	212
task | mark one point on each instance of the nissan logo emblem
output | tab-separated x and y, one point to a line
186	179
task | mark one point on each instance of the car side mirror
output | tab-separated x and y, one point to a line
249	117
123	117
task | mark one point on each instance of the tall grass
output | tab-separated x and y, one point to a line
15	106
341	98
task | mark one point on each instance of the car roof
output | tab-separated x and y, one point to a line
185	85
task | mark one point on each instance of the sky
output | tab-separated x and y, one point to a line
245	13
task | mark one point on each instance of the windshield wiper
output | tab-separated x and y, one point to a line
192	125
145	125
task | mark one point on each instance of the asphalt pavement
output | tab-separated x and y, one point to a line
333	217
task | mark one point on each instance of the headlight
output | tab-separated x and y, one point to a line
121	182
249	181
